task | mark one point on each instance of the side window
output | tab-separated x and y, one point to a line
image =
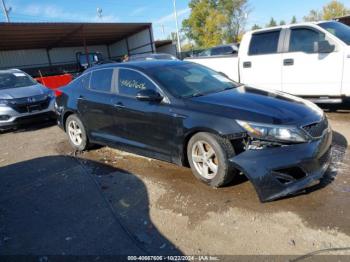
101	80
85	80
131	82
303	40
264	43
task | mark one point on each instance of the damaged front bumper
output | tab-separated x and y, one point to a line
280	171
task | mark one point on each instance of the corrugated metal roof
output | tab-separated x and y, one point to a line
16	36
344	19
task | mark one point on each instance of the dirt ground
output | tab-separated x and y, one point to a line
195	219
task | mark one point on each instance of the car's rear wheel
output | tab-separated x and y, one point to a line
208	156
76	133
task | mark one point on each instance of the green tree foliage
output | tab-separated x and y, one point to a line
313	15
334	9
330	11
213	22
294	20
282	22
256	27
236	13
272	23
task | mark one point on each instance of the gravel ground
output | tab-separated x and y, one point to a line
196	219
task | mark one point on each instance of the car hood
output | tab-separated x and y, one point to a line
261	106
21	92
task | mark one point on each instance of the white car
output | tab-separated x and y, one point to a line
306	59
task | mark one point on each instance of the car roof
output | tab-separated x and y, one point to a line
140	65
290	25
11	70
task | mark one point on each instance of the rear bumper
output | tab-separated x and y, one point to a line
263	167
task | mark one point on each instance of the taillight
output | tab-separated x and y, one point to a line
58	92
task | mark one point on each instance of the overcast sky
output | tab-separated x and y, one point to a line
159	12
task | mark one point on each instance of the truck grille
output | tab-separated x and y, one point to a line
316	130
31	104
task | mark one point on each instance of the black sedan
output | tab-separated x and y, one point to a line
192	116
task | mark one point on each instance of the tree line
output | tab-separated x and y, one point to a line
215	22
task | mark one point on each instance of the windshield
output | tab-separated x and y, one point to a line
338	29
189	80
13	80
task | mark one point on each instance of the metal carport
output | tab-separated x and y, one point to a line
41	45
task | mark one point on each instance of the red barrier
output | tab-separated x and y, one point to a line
54	82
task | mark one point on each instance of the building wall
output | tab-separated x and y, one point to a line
38	57
23	58
68	54
167	49
118	49
141	42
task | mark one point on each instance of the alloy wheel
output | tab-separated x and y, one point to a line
75	133
204	159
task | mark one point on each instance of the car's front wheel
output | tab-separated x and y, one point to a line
208	156
76	133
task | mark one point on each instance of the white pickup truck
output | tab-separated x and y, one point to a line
306	59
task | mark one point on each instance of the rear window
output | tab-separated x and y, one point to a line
101	80
264	43
222	50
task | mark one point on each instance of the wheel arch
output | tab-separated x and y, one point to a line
188	136
65	116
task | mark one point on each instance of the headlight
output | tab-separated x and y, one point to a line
273	132
4	102
51	95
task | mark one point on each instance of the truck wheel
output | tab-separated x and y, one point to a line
76	133
208	156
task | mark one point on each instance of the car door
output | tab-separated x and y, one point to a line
142	125
261	66
95	105
309	73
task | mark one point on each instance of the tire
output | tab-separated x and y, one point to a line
223	151
81	142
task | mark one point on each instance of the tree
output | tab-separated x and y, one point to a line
256	27
272	23
204	25
314	15
282	22
186	47
236	13
330	11
213	22
294	20
334	9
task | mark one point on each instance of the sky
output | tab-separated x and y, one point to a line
159	12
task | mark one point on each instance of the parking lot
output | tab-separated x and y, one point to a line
104	201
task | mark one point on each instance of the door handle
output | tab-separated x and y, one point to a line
119	105
288	62
81	98
247	64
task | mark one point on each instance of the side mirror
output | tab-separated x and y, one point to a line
149	95
323	47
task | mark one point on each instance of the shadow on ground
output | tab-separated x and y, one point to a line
33	126
62	205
